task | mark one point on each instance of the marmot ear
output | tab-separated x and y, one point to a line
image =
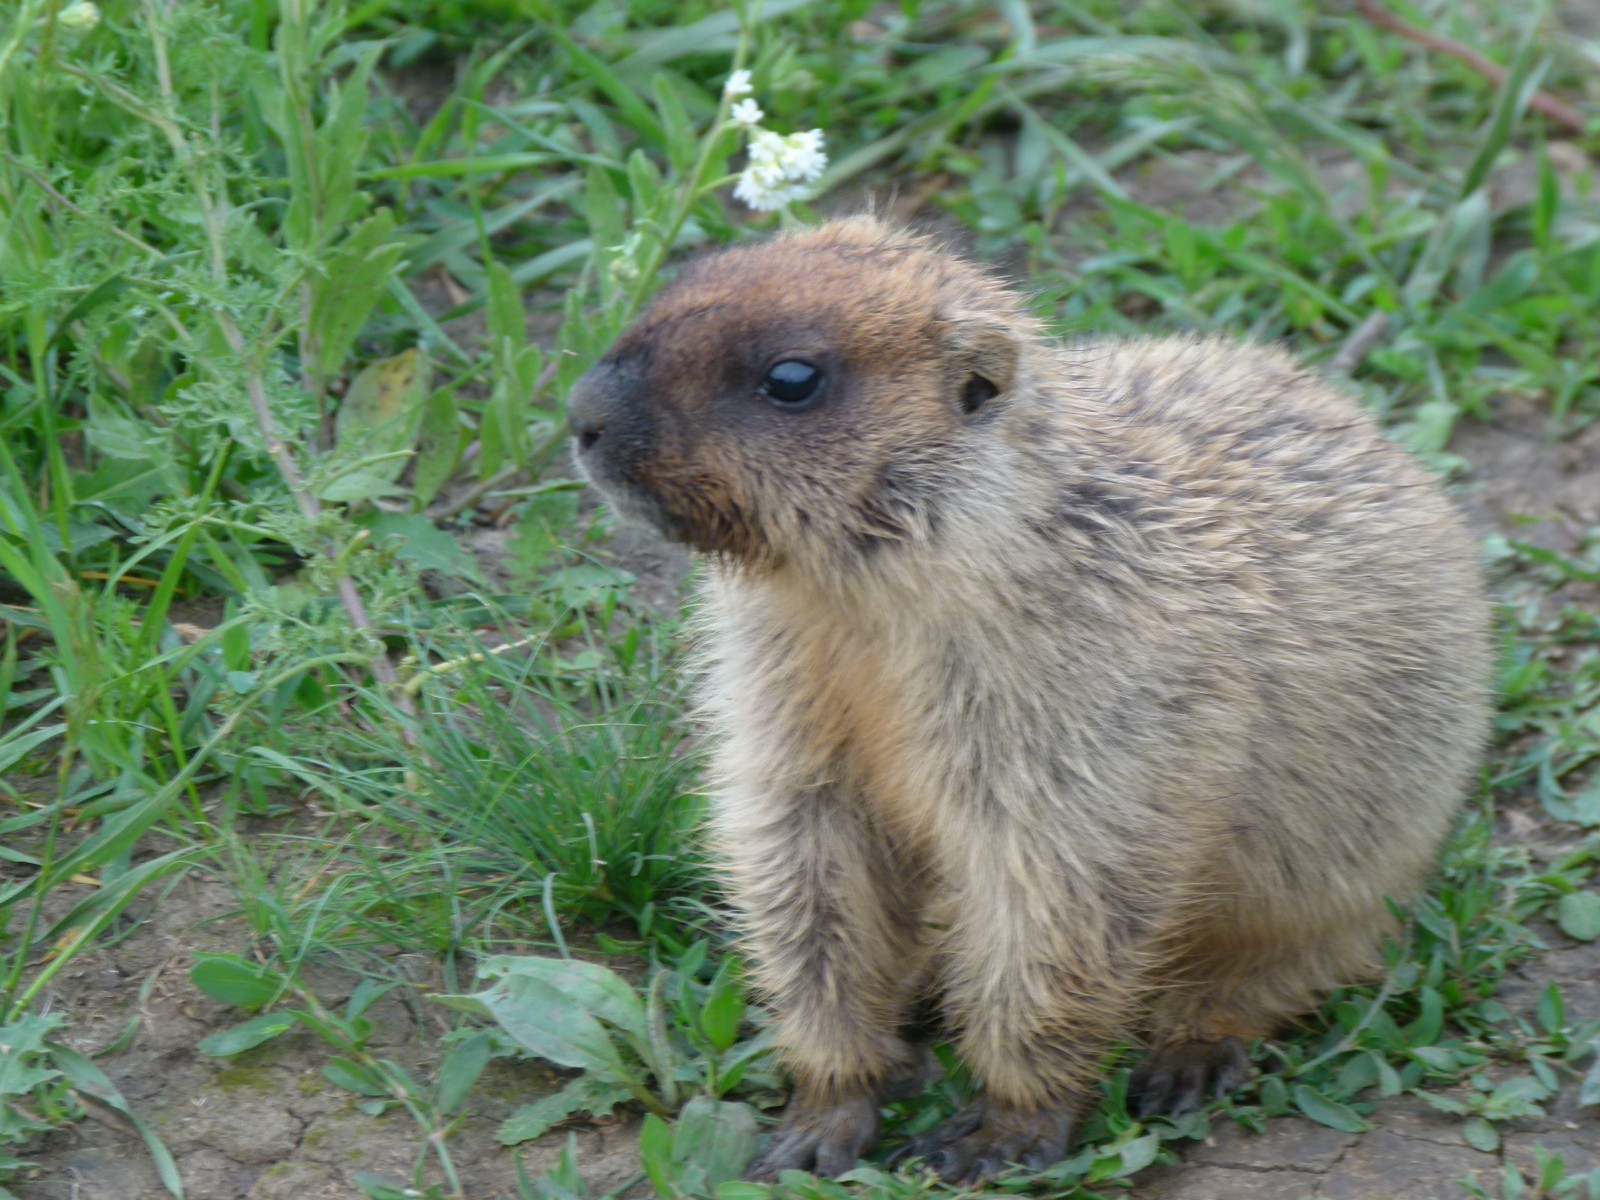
981	351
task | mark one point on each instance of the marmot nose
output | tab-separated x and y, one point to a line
586	431
586	412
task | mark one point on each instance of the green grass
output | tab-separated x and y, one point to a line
290	297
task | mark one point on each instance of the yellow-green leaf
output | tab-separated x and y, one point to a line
382	411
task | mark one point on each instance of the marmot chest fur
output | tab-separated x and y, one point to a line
1090	688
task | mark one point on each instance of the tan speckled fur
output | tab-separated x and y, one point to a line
1121	702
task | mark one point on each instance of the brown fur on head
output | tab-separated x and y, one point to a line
913	346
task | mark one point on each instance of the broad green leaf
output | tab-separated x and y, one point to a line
1424	1031
1360	1073
548	1023
1429	430
1586	806
1589	1093
460	1071
543	528
356	274
586	1094
1274	1094
644	181
1481	1135
1445	1104
424	545
397	1078
1545	1073
719	1136
1459	241
507	416
382	411
738	1061
367	993
503	309
356	1077
356	487
1440	1058
1388	1078
1552	1008
1134	1156
1578	914
590	986
439	443
464	1003
232	980
1519	1096
724	1006
655	1154
253	1033
80	535
1328	1112
116	435
516	375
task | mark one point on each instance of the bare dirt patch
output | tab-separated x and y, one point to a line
266	1125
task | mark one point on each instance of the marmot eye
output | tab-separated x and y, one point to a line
791	382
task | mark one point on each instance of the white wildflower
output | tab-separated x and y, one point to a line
79	18
764	192
746	112
806	159
738	85
779	168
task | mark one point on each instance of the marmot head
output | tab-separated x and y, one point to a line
787	399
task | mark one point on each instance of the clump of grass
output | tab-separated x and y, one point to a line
578	790
545	787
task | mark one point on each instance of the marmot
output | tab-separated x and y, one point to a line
1098	689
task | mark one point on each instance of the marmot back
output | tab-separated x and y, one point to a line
1085	688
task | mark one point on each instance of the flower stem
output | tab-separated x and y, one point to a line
689	193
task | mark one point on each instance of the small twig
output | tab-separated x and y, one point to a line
1557	110
1360	343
